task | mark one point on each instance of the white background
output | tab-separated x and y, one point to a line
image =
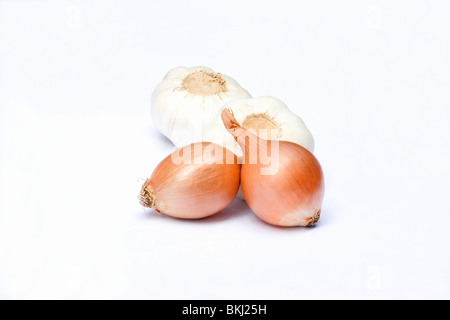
371	80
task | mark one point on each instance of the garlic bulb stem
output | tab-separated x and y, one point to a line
204	83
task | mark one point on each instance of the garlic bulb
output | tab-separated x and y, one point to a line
189	100
268	118
193	182
282	182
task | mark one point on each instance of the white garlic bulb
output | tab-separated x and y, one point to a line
189	100
268	118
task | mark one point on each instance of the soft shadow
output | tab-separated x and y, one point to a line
236	208
330	214
272	228
239	207
155	132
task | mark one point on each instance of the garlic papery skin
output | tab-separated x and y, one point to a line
193	182
189	100
282	182
267	117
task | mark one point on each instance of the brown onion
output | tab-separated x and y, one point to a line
194	182
282	182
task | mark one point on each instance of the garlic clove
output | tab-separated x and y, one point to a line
194	182
281	181
189	100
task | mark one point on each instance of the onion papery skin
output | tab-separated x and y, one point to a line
202	184
286	192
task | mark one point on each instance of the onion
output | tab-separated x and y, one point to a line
194	182
281	181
